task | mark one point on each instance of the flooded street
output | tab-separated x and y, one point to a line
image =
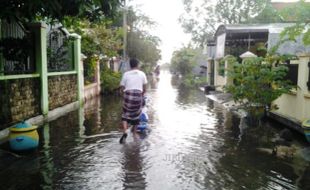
193	143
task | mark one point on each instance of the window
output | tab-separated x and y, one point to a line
292	73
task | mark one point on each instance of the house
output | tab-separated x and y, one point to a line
254	40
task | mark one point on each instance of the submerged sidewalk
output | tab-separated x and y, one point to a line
227	101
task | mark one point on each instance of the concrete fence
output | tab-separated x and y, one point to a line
94	89
23	96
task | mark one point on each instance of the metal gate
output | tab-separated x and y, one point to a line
59	50
17	47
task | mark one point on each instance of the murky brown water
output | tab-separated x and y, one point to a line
194	143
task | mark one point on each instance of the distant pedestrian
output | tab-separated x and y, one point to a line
133	86
157	70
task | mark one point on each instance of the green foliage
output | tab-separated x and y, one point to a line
300	14
89	69
147	68
33	10
268	15
221	69
140	43
191	81
77	15
257	82
183	61
292	32
108	40
110	80
97	38
143	47
261	49
88	47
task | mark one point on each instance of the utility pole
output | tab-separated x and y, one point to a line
123	66
125	31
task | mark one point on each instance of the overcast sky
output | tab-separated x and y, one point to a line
165	13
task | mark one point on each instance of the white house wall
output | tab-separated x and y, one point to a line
219	81
296	105
220	46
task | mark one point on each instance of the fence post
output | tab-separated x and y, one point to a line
97	76
304	72
41	63
78	66
1	58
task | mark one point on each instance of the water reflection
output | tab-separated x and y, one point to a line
194	144
153	81
134	176
47	169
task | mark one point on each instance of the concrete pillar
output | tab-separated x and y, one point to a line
78	66
97	77
209	72
1	58
228	66
216	73
303	80
41	62
303	71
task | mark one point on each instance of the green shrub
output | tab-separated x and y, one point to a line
89	69
221	69
257	83
110	80
191	81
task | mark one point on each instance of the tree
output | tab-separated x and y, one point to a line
182	61
201	20
143	47
268	15
98	38
300	14
23	11
141	44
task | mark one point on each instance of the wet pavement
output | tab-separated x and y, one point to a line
193	143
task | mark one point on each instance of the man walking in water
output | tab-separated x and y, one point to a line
133	86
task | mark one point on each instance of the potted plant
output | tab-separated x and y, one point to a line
261	50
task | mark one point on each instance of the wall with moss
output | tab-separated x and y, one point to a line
62	90
19	100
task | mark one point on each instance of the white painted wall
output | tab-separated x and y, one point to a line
297	104
219	81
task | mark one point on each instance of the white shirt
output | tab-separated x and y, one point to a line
133	80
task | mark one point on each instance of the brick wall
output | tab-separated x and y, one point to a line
62	90
19	100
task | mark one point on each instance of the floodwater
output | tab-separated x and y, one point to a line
193	143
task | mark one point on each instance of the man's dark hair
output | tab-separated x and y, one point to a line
133	62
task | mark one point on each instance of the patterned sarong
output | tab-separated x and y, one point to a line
132	106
